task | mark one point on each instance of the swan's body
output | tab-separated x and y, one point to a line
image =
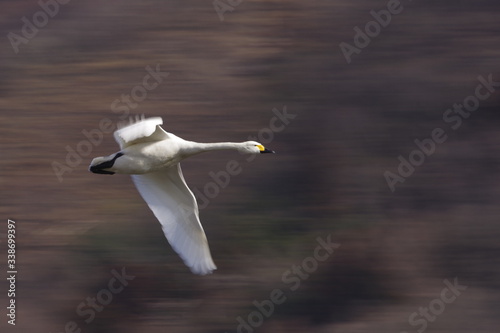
152	155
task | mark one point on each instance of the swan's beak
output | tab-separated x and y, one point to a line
264	150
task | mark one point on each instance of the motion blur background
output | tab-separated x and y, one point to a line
352	122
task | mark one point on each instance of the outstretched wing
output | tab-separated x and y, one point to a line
145	130
174	205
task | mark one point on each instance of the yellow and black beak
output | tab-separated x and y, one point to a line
264	150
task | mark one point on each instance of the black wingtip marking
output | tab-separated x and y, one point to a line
99	168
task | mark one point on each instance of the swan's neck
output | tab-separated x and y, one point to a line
197	147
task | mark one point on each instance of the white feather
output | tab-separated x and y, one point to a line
174	205
140	131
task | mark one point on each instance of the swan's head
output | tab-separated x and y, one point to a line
253	147
103	165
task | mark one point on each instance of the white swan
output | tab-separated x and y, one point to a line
152	155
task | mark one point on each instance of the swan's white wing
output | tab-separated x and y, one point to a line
146	130
174	205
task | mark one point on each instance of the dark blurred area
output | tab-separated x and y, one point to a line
347	125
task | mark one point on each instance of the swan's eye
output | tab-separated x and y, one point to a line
261	147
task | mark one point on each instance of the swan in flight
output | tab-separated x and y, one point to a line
151	156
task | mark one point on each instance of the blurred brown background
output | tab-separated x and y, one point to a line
225	78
